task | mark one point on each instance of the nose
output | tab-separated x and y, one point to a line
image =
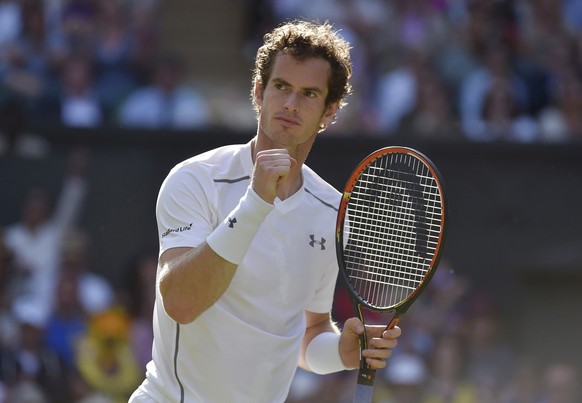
291	102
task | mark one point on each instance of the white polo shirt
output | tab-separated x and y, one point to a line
245	348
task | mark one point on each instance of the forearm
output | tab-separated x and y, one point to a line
193	280
70	201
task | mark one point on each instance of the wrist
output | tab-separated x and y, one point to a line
232	238
322	354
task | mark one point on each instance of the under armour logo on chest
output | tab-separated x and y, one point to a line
231	222
314	241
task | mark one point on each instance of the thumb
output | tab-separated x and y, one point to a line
354	326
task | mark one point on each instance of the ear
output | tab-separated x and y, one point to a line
329	114
258	93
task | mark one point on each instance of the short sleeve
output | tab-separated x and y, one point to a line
323	300
184	211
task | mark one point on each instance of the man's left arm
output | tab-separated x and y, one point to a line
326	349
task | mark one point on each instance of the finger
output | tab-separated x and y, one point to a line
375	330
383	343
274	164
277	152
393	333
377	358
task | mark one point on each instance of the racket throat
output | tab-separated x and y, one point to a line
393	322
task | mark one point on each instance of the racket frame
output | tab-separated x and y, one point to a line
366	375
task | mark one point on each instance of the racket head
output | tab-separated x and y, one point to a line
391	228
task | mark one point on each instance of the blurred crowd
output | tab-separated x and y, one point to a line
456	347
67	332
90	64
479	70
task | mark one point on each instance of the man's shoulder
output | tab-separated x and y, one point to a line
222	156
320	189
223	164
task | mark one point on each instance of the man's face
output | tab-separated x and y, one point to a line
292	103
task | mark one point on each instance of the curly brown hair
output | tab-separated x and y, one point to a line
302	40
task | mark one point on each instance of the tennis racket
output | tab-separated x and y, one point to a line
389	236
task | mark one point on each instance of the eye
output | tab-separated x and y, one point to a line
310	94
280	86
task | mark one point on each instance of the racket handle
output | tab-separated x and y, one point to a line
364	394
366	375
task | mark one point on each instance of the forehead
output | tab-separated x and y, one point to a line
313	72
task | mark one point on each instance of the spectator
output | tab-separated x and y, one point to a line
82	392
542	24
113	54
94	292
433	116
138	296
27	392
67	322
447	381
10	24
36	238
8	325
416	25
31	59
503	118
104	355
79	105
490	357
144	23
475	87
169	102
79	25
572	14
397	91
561	383
33	365
403	380
525	385
15	137
561	121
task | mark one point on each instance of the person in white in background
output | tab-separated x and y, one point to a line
168	102
36	238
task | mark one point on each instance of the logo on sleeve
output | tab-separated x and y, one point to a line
178	229
231	222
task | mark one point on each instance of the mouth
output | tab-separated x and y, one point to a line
287	121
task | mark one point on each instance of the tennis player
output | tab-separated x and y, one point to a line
247	264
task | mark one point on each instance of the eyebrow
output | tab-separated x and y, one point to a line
313	89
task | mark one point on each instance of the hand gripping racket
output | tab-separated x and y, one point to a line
389	236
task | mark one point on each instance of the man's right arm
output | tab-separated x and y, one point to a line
192	280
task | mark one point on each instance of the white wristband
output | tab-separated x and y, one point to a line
322	355
232	237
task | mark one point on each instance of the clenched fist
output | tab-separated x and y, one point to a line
271	168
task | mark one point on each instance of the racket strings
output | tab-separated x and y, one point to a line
392	229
